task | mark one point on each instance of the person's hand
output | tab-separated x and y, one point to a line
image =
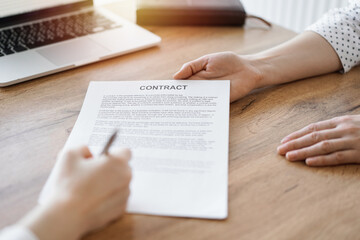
89	193
100	187
331	142
243	74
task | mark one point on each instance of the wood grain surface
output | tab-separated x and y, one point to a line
269	198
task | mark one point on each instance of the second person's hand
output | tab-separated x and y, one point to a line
239	70
331	142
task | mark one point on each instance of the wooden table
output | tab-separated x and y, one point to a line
269	198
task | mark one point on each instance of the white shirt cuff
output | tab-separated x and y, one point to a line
17	232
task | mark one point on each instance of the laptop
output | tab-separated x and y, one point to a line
42	37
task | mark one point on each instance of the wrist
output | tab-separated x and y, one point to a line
267	71
56	220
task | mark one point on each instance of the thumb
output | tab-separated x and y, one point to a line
191	68
79	152
75	155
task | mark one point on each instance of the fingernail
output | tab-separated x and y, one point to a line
284	140
309	161
281	149
291	156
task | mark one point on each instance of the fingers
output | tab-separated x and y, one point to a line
341	157
326	143
112	208
118	157
191	68
328	124
308	140
77	153
118	161
121	154
196	77
119	203
321	148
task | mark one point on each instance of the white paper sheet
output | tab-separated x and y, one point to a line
178	132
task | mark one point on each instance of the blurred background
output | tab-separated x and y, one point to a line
292	14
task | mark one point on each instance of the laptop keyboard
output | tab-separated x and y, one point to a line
29	36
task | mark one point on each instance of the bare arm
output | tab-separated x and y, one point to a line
306	55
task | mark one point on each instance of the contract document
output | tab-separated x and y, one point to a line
178	132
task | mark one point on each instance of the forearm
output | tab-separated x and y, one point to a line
307	55
58	221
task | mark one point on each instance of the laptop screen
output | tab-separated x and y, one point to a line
15	7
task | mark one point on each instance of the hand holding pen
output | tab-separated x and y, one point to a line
88	193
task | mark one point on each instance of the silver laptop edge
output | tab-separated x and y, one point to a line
57	57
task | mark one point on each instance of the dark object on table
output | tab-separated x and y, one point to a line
191	12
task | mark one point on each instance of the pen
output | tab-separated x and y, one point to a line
111	140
